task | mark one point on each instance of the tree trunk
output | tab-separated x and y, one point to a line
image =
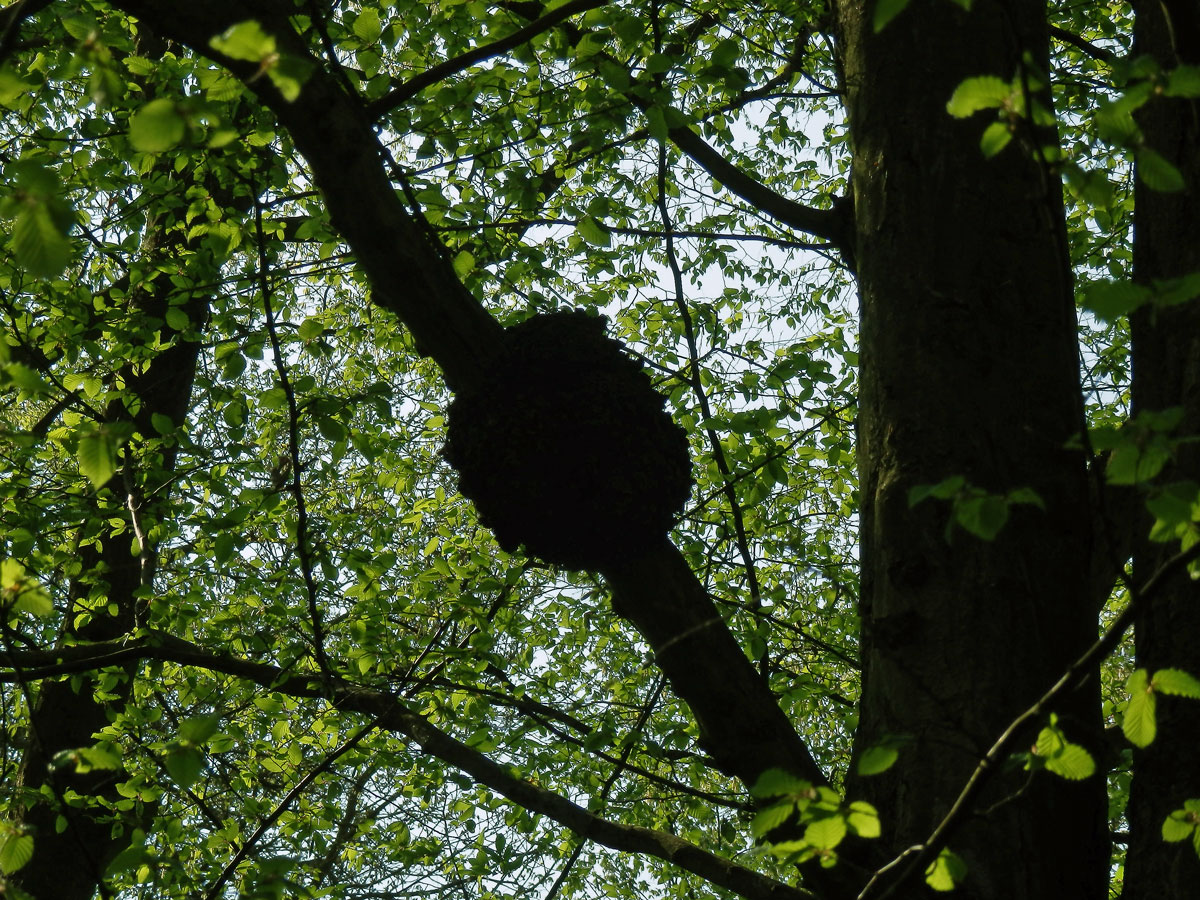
969	368
1166	373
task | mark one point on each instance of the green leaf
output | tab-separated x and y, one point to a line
982	516
1109	300
1158	174
132	856
20	593
945	872
592	232
974	94
1139	726
877	759
199	729
1176	683
184	765
40	244
863	819
825	833
771	817
367	27
778	783
1183	81
656	124
97	453
288	74
943	490
1134	464
177	319
101	757
164	425
16	850
1073	762
25	379
464	264
246	41
1179	825
157	126
885	11
995	138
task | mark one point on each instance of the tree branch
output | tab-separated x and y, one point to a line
444	70
390	713
919	856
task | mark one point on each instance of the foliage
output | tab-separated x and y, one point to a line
299	537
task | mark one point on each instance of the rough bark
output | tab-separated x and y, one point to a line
968	349
1166	373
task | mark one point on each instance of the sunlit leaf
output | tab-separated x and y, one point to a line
16	849
1176	683
974	94
1139	725
945	872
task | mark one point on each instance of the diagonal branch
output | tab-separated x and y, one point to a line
390	713
405	92
916	858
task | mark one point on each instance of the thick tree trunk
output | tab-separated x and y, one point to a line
1166	373
969	367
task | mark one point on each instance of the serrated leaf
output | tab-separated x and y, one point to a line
589	229
981	92
825	833
885	11
1072	762
245	40
15	851
367	27
103	757
184	765
40	244
995	138
1158	174
877	759
1139	726
1177	683
157	126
